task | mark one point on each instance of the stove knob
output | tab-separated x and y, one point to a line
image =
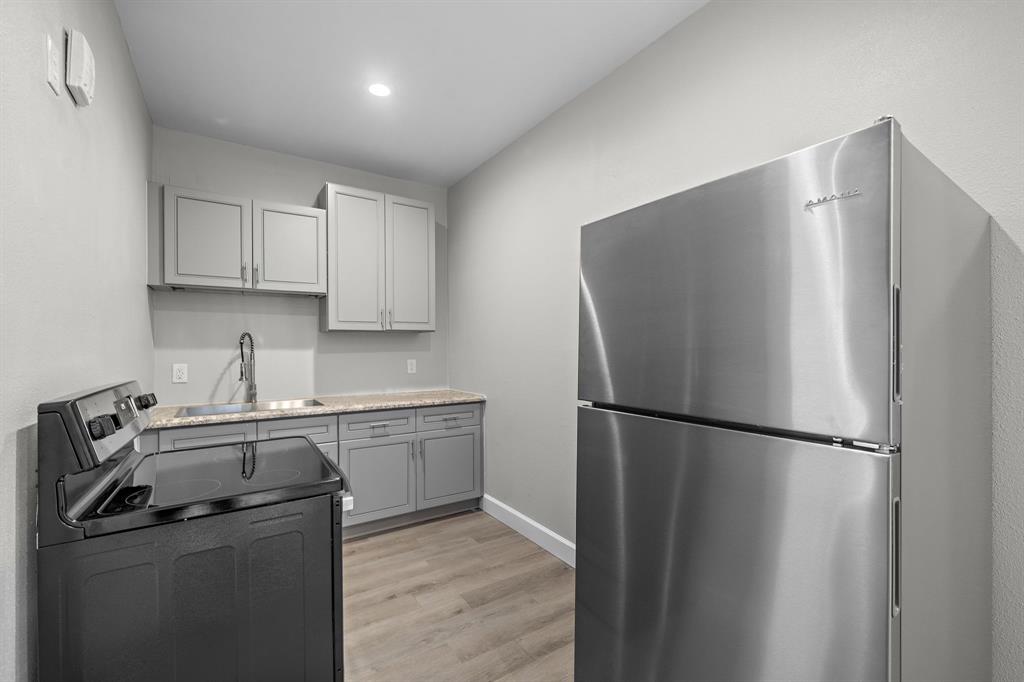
145	401
101	427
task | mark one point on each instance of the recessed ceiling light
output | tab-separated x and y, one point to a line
380	90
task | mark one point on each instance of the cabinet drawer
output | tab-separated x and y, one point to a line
447	417
319	429
203	436
376	424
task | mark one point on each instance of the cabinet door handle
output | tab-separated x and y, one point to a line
382	318
391	321
256	274
245	277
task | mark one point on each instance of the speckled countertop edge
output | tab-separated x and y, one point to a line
164	417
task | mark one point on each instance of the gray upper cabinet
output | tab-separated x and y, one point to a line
224	242
410	252
289	246
207	239
381	261
355	248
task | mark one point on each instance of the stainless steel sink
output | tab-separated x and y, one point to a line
235	408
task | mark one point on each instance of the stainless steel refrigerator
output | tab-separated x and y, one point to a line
784	446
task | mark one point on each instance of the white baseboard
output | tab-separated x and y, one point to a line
530	529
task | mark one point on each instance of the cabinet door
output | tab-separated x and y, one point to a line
207	239
355	248
289	246
450	467
410	264
382	476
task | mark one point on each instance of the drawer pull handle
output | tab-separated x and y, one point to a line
379	425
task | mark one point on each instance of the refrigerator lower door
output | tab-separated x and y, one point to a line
710	554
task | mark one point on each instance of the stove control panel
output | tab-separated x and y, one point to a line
112	417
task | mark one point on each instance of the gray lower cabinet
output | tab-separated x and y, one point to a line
382	476
396	461
450	467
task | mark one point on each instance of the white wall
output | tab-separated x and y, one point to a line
293	359
735	85
73	305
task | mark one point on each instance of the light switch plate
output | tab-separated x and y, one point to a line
179	373
54	64
410	366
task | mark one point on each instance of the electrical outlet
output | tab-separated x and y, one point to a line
179	373
54	64
410	366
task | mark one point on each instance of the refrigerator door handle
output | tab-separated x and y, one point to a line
897	345
896	523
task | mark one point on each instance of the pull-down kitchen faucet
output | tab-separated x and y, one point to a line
247	372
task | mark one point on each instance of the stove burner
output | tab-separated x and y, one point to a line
272	477
187	490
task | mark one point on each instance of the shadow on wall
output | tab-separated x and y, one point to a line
26	496
1008	463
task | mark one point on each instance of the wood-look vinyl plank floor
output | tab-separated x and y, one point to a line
461	599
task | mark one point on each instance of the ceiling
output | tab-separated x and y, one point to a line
467	77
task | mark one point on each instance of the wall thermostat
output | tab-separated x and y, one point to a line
81	69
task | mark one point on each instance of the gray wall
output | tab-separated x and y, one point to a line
293	358
735	85
73	311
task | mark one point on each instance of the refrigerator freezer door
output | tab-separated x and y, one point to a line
737	301
710	554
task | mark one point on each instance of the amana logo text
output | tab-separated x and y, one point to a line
818	201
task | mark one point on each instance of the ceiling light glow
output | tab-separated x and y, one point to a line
380	90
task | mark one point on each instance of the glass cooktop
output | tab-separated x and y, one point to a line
240	474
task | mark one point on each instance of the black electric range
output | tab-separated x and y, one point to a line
207	563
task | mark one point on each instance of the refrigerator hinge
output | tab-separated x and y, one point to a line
882	448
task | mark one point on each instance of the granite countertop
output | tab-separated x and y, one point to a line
165	417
